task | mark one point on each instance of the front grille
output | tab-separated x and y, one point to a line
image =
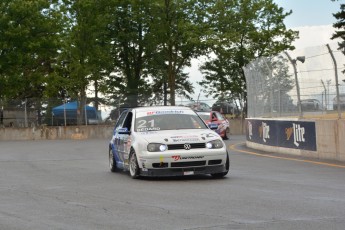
214	162
188	164
181	146
160	165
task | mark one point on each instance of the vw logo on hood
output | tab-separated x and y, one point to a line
187	146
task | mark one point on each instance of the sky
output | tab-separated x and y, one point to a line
309	13
312	18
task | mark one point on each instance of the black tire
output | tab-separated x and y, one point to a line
227	167
112	163
133	166
226	137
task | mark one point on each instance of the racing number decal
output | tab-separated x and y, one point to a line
142	123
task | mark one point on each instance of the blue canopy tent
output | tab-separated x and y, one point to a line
71	110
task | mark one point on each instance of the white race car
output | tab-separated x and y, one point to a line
166	141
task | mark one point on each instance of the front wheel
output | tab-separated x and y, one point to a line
112	162
133	166
227	167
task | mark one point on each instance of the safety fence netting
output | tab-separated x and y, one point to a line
33	112
306	83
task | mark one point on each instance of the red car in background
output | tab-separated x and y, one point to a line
215	118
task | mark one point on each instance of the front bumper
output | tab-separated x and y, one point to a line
165	172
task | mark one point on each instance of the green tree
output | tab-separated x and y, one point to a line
29	43
244	31
130	24
152	42
85	54
181	29
340	26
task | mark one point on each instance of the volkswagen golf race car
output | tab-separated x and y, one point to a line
166	141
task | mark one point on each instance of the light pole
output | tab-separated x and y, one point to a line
324	102
336	79
294	64
328	83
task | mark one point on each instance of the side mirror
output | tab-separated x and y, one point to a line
124	131
213	126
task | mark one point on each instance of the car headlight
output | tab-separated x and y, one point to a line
216	144
156	147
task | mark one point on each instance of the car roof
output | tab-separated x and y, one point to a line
206	113
160	108
203	113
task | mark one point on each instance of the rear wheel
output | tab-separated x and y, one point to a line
133	166
227	167
112	162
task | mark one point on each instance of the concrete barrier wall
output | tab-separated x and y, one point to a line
237	126
80	132
56	132
330	140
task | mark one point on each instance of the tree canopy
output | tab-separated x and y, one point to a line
244	30
135	51
340	26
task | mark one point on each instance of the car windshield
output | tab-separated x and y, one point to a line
205	117
167	120
219	116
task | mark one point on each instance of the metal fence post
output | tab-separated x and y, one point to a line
293	62
336	79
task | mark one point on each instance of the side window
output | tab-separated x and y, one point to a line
220	116
128	121
120	120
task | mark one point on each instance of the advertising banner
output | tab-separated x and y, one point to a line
287	134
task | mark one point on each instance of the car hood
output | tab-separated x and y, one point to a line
179	136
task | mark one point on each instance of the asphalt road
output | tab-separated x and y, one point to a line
67	185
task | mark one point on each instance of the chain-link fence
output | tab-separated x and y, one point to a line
33	112
307	83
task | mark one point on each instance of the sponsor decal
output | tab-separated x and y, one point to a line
149	129
164	112
190	138
298	134
147	133
250	130
185	139
288	132
179	157
208	135
264	131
